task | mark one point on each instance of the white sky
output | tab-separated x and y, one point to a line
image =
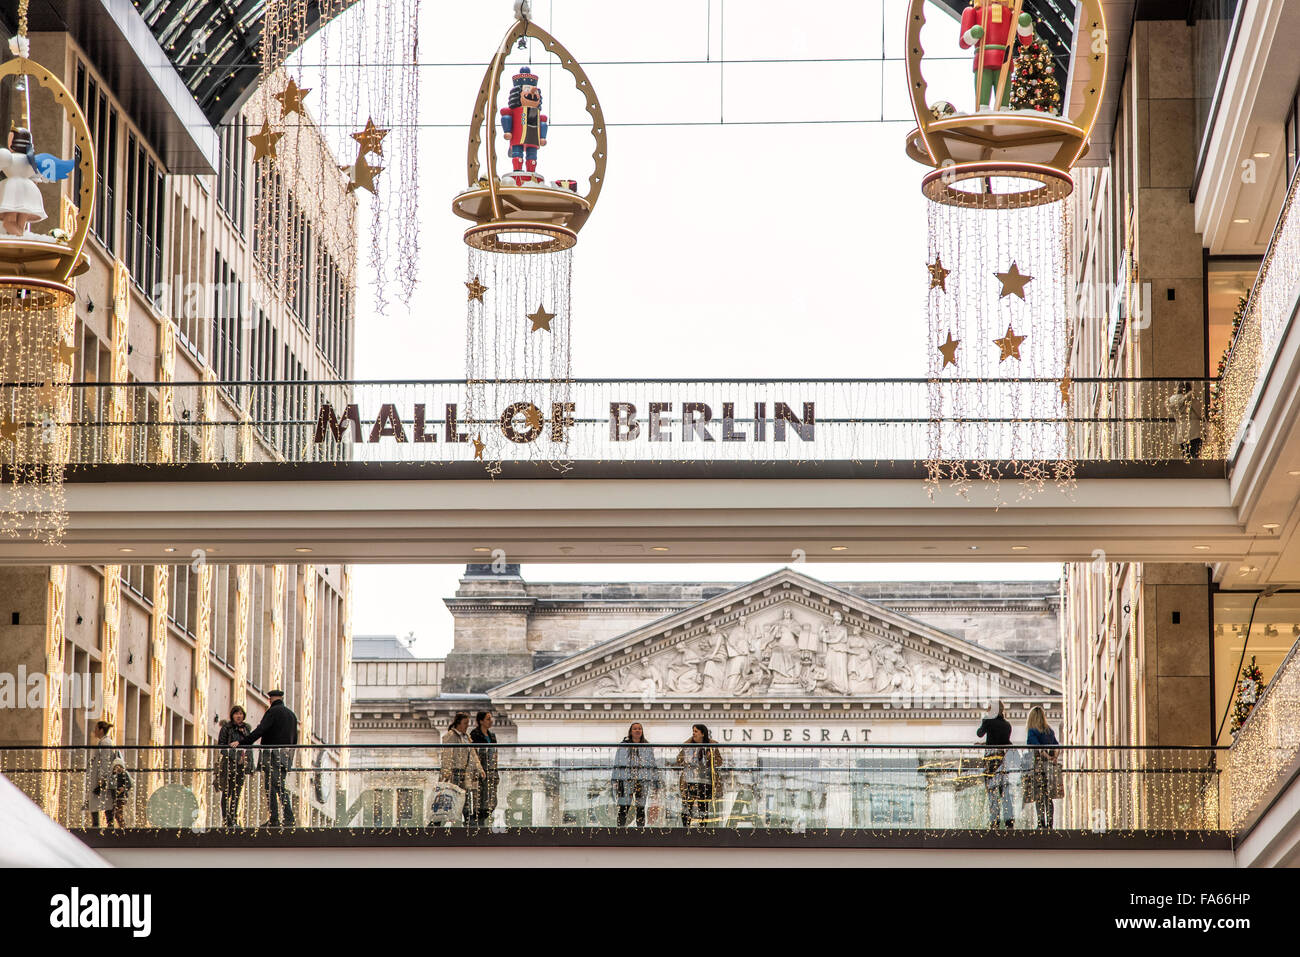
715	251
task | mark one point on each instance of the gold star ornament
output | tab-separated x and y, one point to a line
1010	345
541	319
361	174
476	290
479	446
938	275
949	351
65	353
291	99
1013	282
371	139
264	142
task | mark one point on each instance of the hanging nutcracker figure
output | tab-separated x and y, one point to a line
524	124
986	25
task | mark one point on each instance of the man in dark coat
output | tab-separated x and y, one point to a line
996	729
278	727
486	799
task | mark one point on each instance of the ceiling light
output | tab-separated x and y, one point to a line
482	549
974	548
1201	548
1241	222
126	550
212	548
169	550
839	548
302	550
1020	548
1262	155
1247	569
928	548
1270	525
658	548
1294	472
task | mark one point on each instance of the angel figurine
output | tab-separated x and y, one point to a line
20	198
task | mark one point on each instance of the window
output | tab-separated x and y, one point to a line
145	197
1291	142
232	176
101	118
227	323
183	598
333	302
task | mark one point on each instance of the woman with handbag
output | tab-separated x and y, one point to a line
636	774
99	775
233	764
701	778
1046	771
460	763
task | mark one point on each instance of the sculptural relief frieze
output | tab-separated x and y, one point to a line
784	649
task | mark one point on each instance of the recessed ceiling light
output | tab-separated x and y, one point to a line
1247	569
1241	222
1294	472
658	548
1271	525
974	548
1020	548
302	550
482	549
127	550
839	548
1201	548
169	550
1262	155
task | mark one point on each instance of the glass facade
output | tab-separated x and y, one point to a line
1213	25
1246	626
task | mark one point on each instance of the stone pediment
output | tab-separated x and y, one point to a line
785	635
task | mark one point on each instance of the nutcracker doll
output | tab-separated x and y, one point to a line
523	123
990	21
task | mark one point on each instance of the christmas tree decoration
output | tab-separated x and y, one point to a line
371	139
523	228
1249	687
1033	84
291	98
264	142
938	275
949	351
37	267
1013	282
1000	154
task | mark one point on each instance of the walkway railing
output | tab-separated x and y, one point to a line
634	420
1266	751
844	787
1269	309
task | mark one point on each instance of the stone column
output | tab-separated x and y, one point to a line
490	639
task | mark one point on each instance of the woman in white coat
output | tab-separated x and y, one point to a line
99	776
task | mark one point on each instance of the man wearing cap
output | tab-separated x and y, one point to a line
523	122
278	728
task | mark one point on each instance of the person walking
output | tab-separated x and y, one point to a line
277	730
700	781
486	796
460	762
996	730
1186	409
233	765
99	775
1046	770
636	774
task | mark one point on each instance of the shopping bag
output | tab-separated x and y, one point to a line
446	803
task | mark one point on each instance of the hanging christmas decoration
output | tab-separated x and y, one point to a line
998	171
368	56
1249	687
524	228
37	299
264	142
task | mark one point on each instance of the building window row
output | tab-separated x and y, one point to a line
232	172
101	118
145	202
333	313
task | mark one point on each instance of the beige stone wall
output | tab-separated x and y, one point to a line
1178	658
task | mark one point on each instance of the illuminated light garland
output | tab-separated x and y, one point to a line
158	667
242	622
307	578
52	725
202	650
110	631
277	626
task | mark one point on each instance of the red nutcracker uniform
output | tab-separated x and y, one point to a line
522	122
991	20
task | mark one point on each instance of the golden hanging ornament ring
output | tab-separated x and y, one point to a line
1032	185
24	259
515	209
